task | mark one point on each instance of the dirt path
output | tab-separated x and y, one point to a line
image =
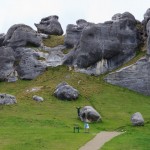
99	140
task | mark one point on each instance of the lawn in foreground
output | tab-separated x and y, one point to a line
49	125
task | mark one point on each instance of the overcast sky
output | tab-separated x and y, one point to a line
31	11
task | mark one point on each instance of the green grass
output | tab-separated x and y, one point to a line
49	124
54	40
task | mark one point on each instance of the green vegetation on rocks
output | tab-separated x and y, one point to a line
54	40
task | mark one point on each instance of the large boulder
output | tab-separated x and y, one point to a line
89	114
73	32
137	119
7	60
135	77
22	35
66	92
28	64
103	47
50	25
7	99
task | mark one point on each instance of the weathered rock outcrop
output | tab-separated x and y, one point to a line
135	77
22	35
28	67
103	47
148	38
89	114
55	56
31	62
146	19
66	92
7	99
50	25
2	37
73	32
7	60
137	119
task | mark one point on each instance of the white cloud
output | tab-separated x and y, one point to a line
31	11
103	10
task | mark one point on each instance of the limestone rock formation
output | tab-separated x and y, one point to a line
66	92
137	119
148	38
50	25
103	47
7	99
29	67
7	60
146	19
135	77
38	98
22	35
55	55
2	37
89	114
73	32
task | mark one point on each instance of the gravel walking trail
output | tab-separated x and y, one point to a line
99	140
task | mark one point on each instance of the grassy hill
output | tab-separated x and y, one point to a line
49	125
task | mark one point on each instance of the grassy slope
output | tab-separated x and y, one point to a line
49	125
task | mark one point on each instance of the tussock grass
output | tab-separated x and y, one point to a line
54	40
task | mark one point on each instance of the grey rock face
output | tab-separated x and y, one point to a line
43	36
50	25
135	77
89	114
66	92
7	60
148	38
146	19
113	42
73	32
22	51
55	55
7	99
22	35
147	14
28	67
13	77
2	37
137	119
38	98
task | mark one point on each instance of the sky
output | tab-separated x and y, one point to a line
97	11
